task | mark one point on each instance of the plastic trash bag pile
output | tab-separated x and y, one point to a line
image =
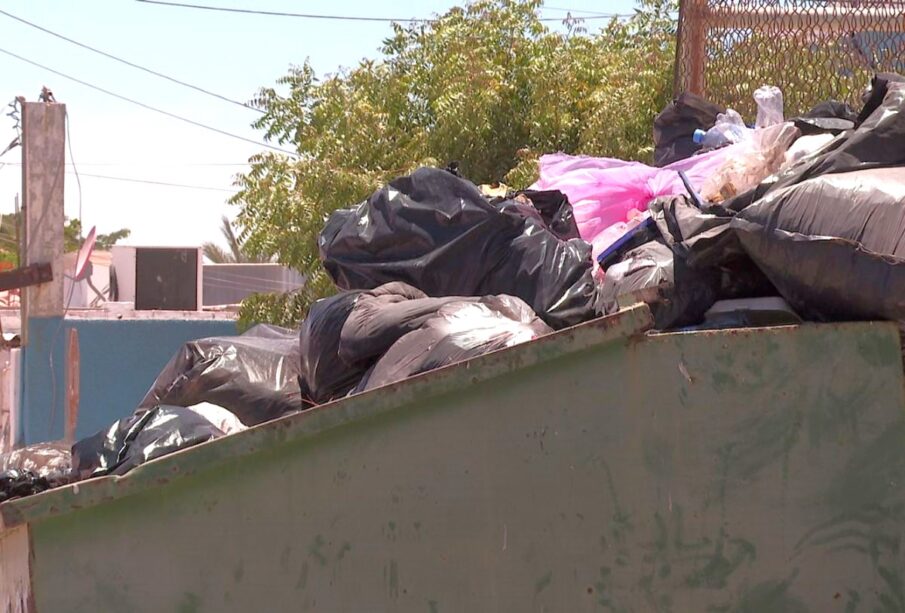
817	219
737	224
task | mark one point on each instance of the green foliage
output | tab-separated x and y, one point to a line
10	232
234	252
487	85
73	239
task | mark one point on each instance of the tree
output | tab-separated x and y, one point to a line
487	85
73	239
234	253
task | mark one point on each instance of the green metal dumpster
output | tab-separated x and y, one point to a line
596	469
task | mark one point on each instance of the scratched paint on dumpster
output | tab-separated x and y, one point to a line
607	479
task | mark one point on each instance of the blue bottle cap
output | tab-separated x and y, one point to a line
698	136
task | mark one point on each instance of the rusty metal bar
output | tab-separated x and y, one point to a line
73	374
25	276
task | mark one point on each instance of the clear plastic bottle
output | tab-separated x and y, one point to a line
730	128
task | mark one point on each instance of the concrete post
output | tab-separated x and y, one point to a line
43	171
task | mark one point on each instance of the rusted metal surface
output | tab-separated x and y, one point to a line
73	375
26	276
592	470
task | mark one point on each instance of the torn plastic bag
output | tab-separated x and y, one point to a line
139	438
254	375
382	316
755	161
457	332
676	294
33	469
674	127
876	143
833	245
605	192
437	233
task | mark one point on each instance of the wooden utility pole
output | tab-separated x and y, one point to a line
43	171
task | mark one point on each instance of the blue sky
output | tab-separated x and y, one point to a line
231	54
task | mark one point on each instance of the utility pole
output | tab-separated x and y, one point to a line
43	172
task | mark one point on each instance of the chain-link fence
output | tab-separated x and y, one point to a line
813	50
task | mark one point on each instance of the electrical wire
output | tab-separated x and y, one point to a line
132	64
164	183
78	179
148	106
146	164
583	12
332	17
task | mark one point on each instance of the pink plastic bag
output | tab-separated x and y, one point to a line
608	195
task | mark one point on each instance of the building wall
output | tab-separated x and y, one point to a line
120	359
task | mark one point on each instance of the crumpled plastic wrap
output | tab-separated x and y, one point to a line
875	143
458	331
439	234
756	159
253	375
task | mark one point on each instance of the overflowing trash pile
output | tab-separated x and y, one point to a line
737	224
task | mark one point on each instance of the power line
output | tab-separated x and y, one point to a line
148	164
153	182
148	106
583	12
225	9
128	63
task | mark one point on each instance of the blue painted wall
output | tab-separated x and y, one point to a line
120	359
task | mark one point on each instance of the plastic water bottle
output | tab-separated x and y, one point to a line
730	128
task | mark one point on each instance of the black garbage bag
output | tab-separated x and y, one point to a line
674	127
833	245
830	117
676	294
382	316
139	438
437	232
702	238
458	331
344	335
254	375
875	143
33	469
16	483
324	375
552	206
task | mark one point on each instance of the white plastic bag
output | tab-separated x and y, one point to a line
769	106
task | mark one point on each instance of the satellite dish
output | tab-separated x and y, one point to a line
84	255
